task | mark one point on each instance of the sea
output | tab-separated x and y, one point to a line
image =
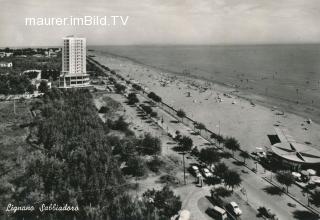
287	76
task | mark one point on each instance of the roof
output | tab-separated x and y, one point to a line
291	150
233	204
221	210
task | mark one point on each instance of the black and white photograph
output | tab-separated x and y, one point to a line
159	110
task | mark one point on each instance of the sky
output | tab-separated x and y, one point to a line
165	22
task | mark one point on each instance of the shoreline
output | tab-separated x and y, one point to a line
270	102
250	124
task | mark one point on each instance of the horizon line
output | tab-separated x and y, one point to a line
169	44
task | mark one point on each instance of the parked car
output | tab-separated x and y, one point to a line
217	213
195	170
233	206
206	173
262	154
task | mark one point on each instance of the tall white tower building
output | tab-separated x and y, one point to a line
74	72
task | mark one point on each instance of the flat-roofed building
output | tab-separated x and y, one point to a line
74	72
293	153
5	64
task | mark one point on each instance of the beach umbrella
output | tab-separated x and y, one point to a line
311	172
296	175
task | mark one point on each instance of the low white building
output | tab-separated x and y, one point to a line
4	64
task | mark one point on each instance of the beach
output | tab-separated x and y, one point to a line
221	108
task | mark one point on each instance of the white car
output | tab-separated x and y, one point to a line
195	168
235	208
196	171
206	173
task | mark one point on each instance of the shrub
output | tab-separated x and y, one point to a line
154	97
103	109
132	99
119	124
181	113
155	164
137	87
43	87
153	114
120	88
185	143
195	151
146	108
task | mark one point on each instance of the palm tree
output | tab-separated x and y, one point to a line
307	189
181	114
232	144
221	169
186	143
199	125
209	155
245	155
285	178
232	179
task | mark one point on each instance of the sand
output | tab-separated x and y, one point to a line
250	124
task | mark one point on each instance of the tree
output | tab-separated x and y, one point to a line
31	88
132	99
232	144
199	125
43	87
119	124
137	87
218	137
146	108
154	97
155	164
153	114
221	169
150	145
119	88
315	198
185	143
225	154
220	192
285	178
209	155
232	179
166	203
245	155
195	151
181	113
136	166
103	109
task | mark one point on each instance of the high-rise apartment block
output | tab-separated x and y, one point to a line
74	72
